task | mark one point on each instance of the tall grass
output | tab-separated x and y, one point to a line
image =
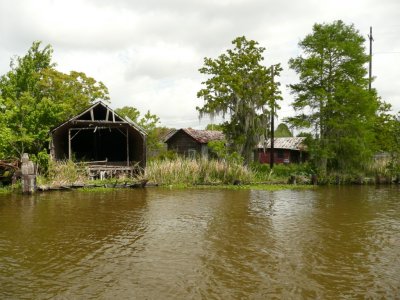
64	173
197	171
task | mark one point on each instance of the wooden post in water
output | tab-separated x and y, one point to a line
314	179
28	173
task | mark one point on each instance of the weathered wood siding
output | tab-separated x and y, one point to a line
183	144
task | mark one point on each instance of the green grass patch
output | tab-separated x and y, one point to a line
6	190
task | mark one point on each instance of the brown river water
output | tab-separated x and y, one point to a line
155	243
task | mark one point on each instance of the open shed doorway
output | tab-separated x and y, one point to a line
104	144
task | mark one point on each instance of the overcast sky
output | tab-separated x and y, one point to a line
148	52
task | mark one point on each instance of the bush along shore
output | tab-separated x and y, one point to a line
185	172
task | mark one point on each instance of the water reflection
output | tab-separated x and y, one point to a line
53	232
326	243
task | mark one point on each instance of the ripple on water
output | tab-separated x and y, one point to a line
154	243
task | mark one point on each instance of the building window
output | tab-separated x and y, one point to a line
192	153
281	153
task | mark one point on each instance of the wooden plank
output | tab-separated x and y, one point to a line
127	147
69	145
98	122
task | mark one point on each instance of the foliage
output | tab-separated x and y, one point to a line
281	172
42	160
332	97
240	87
34	97
220	150
387	133
282	131
167	155
219	127
149	123
72	93
130	112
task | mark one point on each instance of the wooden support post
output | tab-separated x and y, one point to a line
69	145
92	114
28	175
127	147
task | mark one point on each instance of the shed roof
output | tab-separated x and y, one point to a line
201	136
291	143
100	113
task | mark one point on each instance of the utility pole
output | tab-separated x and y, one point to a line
371	39
271	153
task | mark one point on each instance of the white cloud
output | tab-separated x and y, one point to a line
161	61
148	52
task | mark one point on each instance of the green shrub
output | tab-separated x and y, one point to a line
281	172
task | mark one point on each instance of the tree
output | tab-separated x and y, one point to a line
240	87
283	131
387	132
218	127
149	123
34	97
332	96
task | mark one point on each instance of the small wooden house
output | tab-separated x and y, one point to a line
191	142
286	150
99	135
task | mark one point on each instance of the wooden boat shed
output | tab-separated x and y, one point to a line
99	136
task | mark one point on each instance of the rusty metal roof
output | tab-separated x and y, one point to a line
291	143
201	136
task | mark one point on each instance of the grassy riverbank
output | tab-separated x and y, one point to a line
184	173
201	173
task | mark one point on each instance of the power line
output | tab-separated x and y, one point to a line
387	52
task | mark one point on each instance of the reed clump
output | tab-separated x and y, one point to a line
197	171
64	173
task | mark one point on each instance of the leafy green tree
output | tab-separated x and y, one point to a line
71	92
332	96
239	86
282	131
34	97
387	132
218	127
130	112
149	123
